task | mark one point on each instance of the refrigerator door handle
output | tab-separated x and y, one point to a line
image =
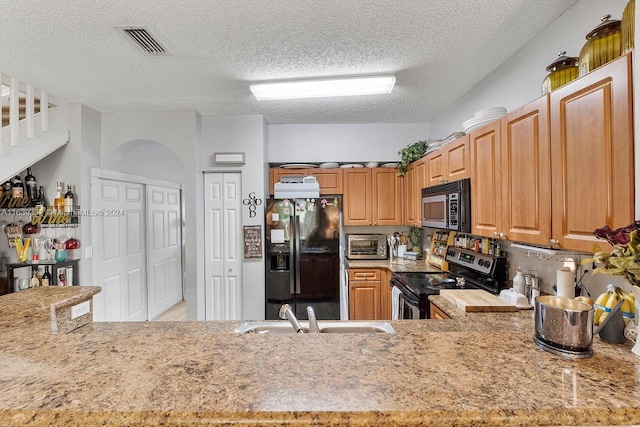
296	224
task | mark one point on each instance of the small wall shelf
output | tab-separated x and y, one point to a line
69	268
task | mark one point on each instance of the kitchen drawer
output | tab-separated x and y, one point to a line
364	274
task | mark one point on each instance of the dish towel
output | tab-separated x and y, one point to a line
395	303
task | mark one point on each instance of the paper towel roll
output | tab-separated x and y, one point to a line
565	283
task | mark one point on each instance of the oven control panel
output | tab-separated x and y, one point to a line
472	260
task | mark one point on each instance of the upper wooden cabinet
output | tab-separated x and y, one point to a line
526	174
486	203
408	194
592	158
450	163
372	196
330	180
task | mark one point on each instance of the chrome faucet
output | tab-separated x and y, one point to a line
287	313
313	321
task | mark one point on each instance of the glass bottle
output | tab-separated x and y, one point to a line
58	202
46	276
68	201
41	202
31	187
34	282
17	190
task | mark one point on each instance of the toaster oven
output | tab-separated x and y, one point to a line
366	246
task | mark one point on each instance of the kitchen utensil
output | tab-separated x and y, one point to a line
564	326
561	71
476	300
627	26
612	327
603	45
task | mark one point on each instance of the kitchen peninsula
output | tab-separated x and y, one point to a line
474	369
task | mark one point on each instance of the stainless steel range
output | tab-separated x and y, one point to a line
467	269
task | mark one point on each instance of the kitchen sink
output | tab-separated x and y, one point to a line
326	327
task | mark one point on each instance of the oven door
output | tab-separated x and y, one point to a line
434	211
409	308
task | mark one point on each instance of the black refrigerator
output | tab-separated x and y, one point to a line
303	256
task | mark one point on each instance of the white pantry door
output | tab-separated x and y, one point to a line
120	250
164	251
223	246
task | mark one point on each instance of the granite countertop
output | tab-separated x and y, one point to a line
395	266
474	369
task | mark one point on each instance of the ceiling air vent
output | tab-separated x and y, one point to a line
145	40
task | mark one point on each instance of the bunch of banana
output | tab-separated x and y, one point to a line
608	300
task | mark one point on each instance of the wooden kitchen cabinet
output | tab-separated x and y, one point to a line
421	170
372	196
329	180
486	203
450	163
525	175
413	183
408	194
365	299
436	313
592	159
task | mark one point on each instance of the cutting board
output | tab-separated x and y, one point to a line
476	300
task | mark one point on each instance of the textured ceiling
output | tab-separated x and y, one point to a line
438	49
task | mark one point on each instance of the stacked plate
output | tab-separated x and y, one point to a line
483	117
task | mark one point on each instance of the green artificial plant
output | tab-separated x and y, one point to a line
411	153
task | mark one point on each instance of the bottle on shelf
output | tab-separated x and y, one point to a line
7	187
32	187
34	282
41	202
58	202
46	276
17	190
68	201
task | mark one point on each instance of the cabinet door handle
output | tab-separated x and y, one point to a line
554	242
495	234
503	236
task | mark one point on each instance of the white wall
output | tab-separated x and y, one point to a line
342	142
179	133
240	134
518	80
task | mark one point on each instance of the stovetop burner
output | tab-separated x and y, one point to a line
424	284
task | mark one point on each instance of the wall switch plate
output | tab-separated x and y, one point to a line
80	309
88	252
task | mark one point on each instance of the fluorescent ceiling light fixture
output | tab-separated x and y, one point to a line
319	88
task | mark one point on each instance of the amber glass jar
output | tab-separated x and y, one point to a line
603	45
561	71
627	26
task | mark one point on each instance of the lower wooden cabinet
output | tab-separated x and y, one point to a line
369	294
436	313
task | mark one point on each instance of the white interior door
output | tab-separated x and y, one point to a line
163	249
223	246
120	265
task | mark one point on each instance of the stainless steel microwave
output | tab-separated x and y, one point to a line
447	206
366	246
